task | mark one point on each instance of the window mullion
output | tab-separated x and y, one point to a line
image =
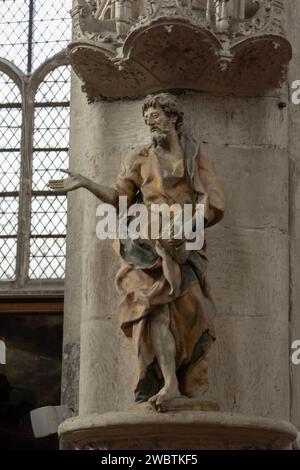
25	188
30	36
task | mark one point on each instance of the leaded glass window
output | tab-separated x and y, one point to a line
31	31
10	159
34	139
50	153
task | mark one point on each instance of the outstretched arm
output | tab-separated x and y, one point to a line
76	181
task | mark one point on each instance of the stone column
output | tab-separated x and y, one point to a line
294	203
250	141
249	251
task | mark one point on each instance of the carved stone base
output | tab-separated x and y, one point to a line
177	404
177	430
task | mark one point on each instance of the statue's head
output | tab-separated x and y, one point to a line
163	115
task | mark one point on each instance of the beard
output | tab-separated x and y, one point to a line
160	134
160	137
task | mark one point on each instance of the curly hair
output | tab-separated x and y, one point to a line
169	104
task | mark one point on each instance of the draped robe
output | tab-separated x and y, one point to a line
150	280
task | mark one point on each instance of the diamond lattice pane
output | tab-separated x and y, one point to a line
48	215
17	53
9	91
55	87
51	28
10	138
9	216
9	171
47	258
51	127
52	9
46	166
14	27
8	252
10	128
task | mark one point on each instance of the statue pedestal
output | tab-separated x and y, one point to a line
201	430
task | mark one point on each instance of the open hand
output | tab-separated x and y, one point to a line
74	181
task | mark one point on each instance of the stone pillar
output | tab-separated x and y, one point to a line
123	12
249	251
294	203
250	141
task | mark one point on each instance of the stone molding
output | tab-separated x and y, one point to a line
177	430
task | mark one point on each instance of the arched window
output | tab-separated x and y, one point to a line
50	153
34	141
10	161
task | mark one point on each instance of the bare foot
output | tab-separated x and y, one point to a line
163	397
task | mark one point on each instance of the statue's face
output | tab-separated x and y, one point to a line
161	125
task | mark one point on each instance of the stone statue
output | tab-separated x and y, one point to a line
166	307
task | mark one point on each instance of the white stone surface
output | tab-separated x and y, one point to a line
2	352
177	430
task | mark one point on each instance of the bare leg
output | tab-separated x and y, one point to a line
165	350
